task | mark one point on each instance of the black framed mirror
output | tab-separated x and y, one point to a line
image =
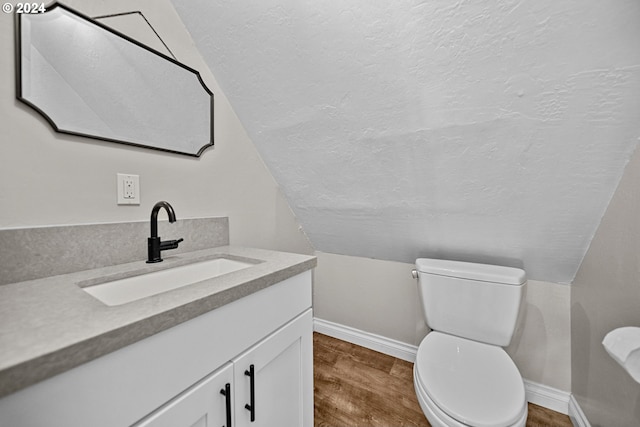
90	80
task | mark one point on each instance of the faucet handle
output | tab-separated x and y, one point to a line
170	244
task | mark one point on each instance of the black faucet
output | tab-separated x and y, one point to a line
154	244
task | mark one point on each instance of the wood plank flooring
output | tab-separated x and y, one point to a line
358	387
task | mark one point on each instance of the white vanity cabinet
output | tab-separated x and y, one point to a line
174	378
262	387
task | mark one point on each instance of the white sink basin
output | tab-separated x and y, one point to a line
133	288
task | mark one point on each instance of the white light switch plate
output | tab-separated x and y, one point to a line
128	189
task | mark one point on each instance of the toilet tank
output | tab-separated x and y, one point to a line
476	301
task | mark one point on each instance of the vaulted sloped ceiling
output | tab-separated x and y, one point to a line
482	131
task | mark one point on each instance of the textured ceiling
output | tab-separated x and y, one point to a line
482	131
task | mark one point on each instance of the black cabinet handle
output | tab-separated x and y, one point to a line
251	407
226	392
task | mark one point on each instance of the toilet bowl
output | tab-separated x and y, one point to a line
462	375
461	383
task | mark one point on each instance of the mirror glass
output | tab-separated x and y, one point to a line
87	79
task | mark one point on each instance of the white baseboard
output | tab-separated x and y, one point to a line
578	418
366	339
538	394
547	397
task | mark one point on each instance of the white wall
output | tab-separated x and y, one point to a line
541	346
48	178
381	297
604	296
375	296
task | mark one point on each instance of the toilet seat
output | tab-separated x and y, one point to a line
474	383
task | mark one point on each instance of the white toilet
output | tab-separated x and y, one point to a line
462	375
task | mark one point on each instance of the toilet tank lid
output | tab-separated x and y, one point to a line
472	271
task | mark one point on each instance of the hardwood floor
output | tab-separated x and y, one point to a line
355	386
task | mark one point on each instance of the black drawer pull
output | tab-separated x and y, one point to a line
226	392
251	407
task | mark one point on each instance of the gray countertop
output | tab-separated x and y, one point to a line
50	325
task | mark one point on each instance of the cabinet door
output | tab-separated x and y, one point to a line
282	385
203	405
